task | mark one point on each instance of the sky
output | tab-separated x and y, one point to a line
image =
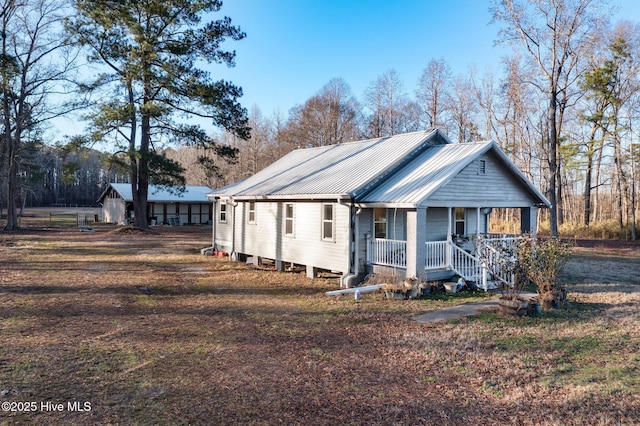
294	47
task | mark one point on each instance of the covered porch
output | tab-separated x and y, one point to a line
476	257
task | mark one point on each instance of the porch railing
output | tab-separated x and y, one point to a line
479	267
436	255
465	264
387	252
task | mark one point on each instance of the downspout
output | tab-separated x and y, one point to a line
232	252
213	226
351	279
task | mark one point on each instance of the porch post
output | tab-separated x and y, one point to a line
449	253
416	238
529	220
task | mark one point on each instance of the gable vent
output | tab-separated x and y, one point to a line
482	167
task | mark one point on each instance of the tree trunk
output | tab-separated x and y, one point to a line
553	163
588	175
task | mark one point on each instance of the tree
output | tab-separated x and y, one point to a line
554	34
433	91
35	60
327	118
150	51
462	108
386	100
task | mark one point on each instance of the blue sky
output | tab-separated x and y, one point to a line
294	47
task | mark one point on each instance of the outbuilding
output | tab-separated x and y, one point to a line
168	206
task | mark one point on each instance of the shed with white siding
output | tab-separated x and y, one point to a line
364	206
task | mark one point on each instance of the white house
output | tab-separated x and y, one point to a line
413	202
164	206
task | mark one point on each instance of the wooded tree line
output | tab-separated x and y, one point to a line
563	105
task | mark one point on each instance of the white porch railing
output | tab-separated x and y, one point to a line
447	255
387	252
437	255
495	261
466	265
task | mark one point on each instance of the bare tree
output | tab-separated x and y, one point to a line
36	60
553	33
327	118
433	91
462	107
386	99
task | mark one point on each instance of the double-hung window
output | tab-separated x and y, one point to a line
223	213
327	222
460	221
380	223
288	219
252	212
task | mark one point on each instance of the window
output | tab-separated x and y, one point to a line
252	212
223	212
482	167
327	222
460	221
288	219
380	223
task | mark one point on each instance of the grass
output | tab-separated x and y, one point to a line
150	332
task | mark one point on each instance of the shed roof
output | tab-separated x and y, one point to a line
161	194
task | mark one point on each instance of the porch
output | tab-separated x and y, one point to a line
476	259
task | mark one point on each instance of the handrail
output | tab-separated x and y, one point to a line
465	264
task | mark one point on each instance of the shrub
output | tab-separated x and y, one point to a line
542	261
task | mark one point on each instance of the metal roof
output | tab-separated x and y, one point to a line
332	171
425	174
158	194
401	170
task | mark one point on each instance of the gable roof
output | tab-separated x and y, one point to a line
159	194
435	167
400	170
334	171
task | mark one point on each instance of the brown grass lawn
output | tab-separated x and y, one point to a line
148	331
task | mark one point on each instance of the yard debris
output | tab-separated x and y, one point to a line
407	289
5	392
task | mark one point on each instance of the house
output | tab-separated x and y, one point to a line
169	207
413	203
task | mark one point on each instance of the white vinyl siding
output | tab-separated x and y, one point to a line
497	187
267	239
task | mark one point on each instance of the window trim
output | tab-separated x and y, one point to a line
251	213
376	222
463	220
222	213
324	221
288	219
